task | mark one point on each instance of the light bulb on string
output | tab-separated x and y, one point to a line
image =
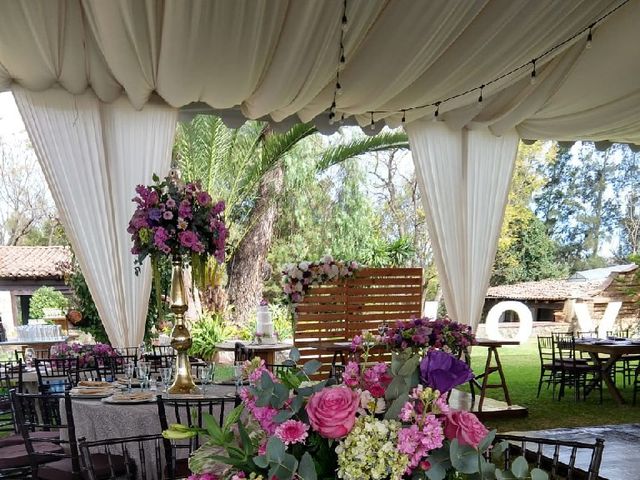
533	73
436	113
338	89
372	125
332	118
341	121
589	38
480	97
404	117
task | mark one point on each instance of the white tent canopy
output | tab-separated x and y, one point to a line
278	60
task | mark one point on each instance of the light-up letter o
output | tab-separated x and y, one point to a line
524	315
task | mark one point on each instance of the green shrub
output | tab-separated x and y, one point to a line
46	297
210	329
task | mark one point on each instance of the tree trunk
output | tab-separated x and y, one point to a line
248	261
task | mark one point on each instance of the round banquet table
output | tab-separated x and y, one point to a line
266	351
96	420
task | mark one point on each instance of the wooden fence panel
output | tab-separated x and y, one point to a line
339	311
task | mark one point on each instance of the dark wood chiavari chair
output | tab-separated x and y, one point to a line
55	375
574	372
556	457
143	457
189	412
41	412
242	353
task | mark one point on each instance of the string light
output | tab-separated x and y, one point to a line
404	117
531	63
533	72
372	125
337	91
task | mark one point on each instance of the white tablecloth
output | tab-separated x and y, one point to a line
96	420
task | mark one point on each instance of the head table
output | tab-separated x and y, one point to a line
96	420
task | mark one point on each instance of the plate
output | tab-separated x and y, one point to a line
93	384
91	393
126	398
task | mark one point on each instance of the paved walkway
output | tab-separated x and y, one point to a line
619	460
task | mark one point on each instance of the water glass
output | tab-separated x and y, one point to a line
143	374
205	375
238	367
166	374
29	354
129	370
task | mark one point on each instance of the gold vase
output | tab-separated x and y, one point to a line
180	336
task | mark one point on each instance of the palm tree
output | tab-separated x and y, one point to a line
246	168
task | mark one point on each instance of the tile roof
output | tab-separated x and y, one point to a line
33	262
548	290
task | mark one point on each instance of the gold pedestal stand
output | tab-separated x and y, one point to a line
180	336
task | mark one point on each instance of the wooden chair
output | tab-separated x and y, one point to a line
556	457
41	412
189	412
575	373
242	353
134	451
549	367
57	375
628	364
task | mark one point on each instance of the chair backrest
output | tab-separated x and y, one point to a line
127	351
57	374
241	353
622	333
190	412
163	350
546	350
565	347
142	457
41	412
111	367
7	419
556	457
587	333
156	362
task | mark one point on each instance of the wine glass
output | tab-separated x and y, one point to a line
129	370
166	374
205	375
238	367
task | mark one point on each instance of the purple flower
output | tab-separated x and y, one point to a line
155	214
170	203
203	198
160	236
219	207
184	210
188	239
442	371
167	215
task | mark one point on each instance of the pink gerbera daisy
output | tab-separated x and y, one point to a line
292	431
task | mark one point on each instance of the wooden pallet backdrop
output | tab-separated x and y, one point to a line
336	312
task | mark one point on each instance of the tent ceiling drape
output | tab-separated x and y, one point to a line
278	59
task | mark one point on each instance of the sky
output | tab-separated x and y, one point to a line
10	120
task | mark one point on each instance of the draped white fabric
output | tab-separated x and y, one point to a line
278	59
93	155
464	177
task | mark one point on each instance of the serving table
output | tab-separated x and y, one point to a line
615	350
265	351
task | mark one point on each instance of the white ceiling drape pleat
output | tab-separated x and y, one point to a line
93	155
464	177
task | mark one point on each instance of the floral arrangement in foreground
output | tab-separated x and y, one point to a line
382	422
298	277
178	219
86	354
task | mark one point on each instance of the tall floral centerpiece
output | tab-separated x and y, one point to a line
179	221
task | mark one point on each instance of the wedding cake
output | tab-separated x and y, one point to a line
264	325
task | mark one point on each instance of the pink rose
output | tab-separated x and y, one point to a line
332	411
465	427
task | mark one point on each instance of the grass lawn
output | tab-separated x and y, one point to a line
522	370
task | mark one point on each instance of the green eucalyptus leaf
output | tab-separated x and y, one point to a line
537	474
275	449
397	387
394	409
487	470
280	395
285	469
504	475
410	366
306	469
311	367
498	450
440	463
487	441
265	381
296	404
261	461
520	468
283	416
294	355
463	457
